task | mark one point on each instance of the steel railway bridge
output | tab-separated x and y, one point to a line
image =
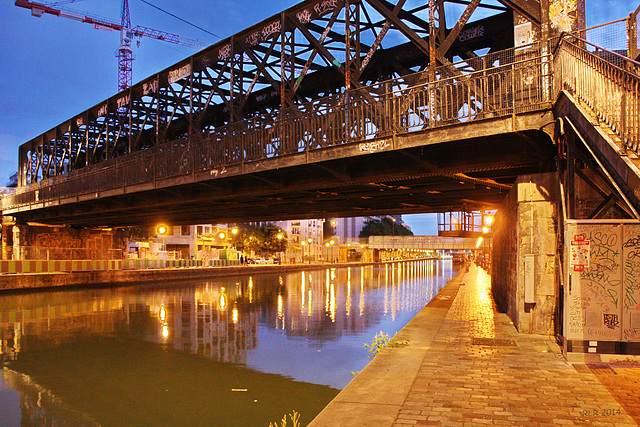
332	107
348	108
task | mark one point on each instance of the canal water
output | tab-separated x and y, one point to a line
239	351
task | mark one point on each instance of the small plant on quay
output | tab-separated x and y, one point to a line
295	420
380	341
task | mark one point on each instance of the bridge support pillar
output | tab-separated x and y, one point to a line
19	231
524	262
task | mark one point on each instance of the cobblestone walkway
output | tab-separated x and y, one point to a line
480	370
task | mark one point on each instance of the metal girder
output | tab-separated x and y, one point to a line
580	163
283	62
528	8
323	77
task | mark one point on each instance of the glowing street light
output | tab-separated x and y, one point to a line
162	230
234	231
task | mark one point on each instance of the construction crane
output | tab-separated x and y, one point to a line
124	53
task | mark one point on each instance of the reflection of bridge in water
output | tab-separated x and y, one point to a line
220	319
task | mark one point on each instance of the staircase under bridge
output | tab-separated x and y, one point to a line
340	108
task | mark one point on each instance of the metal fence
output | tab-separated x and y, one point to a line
499	84
606	81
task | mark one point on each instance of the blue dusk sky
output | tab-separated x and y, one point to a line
53	68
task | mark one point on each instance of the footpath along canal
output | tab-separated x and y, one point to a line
234	351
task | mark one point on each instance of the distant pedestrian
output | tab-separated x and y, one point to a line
241	260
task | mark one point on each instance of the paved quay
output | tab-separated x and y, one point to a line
463	363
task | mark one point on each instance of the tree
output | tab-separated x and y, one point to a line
263	238
385	227
248	238
142	233
274	239
328	228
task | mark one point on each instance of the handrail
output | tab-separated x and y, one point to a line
611	91
566	35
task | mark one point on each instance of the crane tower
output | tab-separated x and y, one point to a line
124	53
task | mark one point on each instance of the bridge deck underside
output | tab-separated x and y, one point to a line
463	167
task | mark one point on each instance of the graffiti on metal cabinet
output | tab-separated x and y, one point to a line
631	283
594	308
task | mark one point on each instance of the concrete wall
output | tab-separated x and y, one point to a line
526	224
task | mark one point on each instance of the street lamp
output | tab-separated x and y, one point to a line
331	242
310	240
303	243
162	230
393	240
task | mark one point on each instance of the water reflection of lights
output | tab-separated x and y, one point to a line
202	319
281	310
332	304
303	291
327	302
165	331
361	294
348	303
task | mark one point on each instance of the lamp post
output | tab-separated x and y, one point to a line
310	240
280	236
162	230
234	233
393	237
331	243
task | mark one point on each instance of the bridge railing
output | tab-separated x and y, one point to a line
606	81
499	84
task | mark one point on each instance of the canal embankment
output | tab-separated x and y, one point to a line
461	362
115	277
377	394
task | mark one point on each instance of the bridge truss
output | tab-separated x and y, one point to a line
296	65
